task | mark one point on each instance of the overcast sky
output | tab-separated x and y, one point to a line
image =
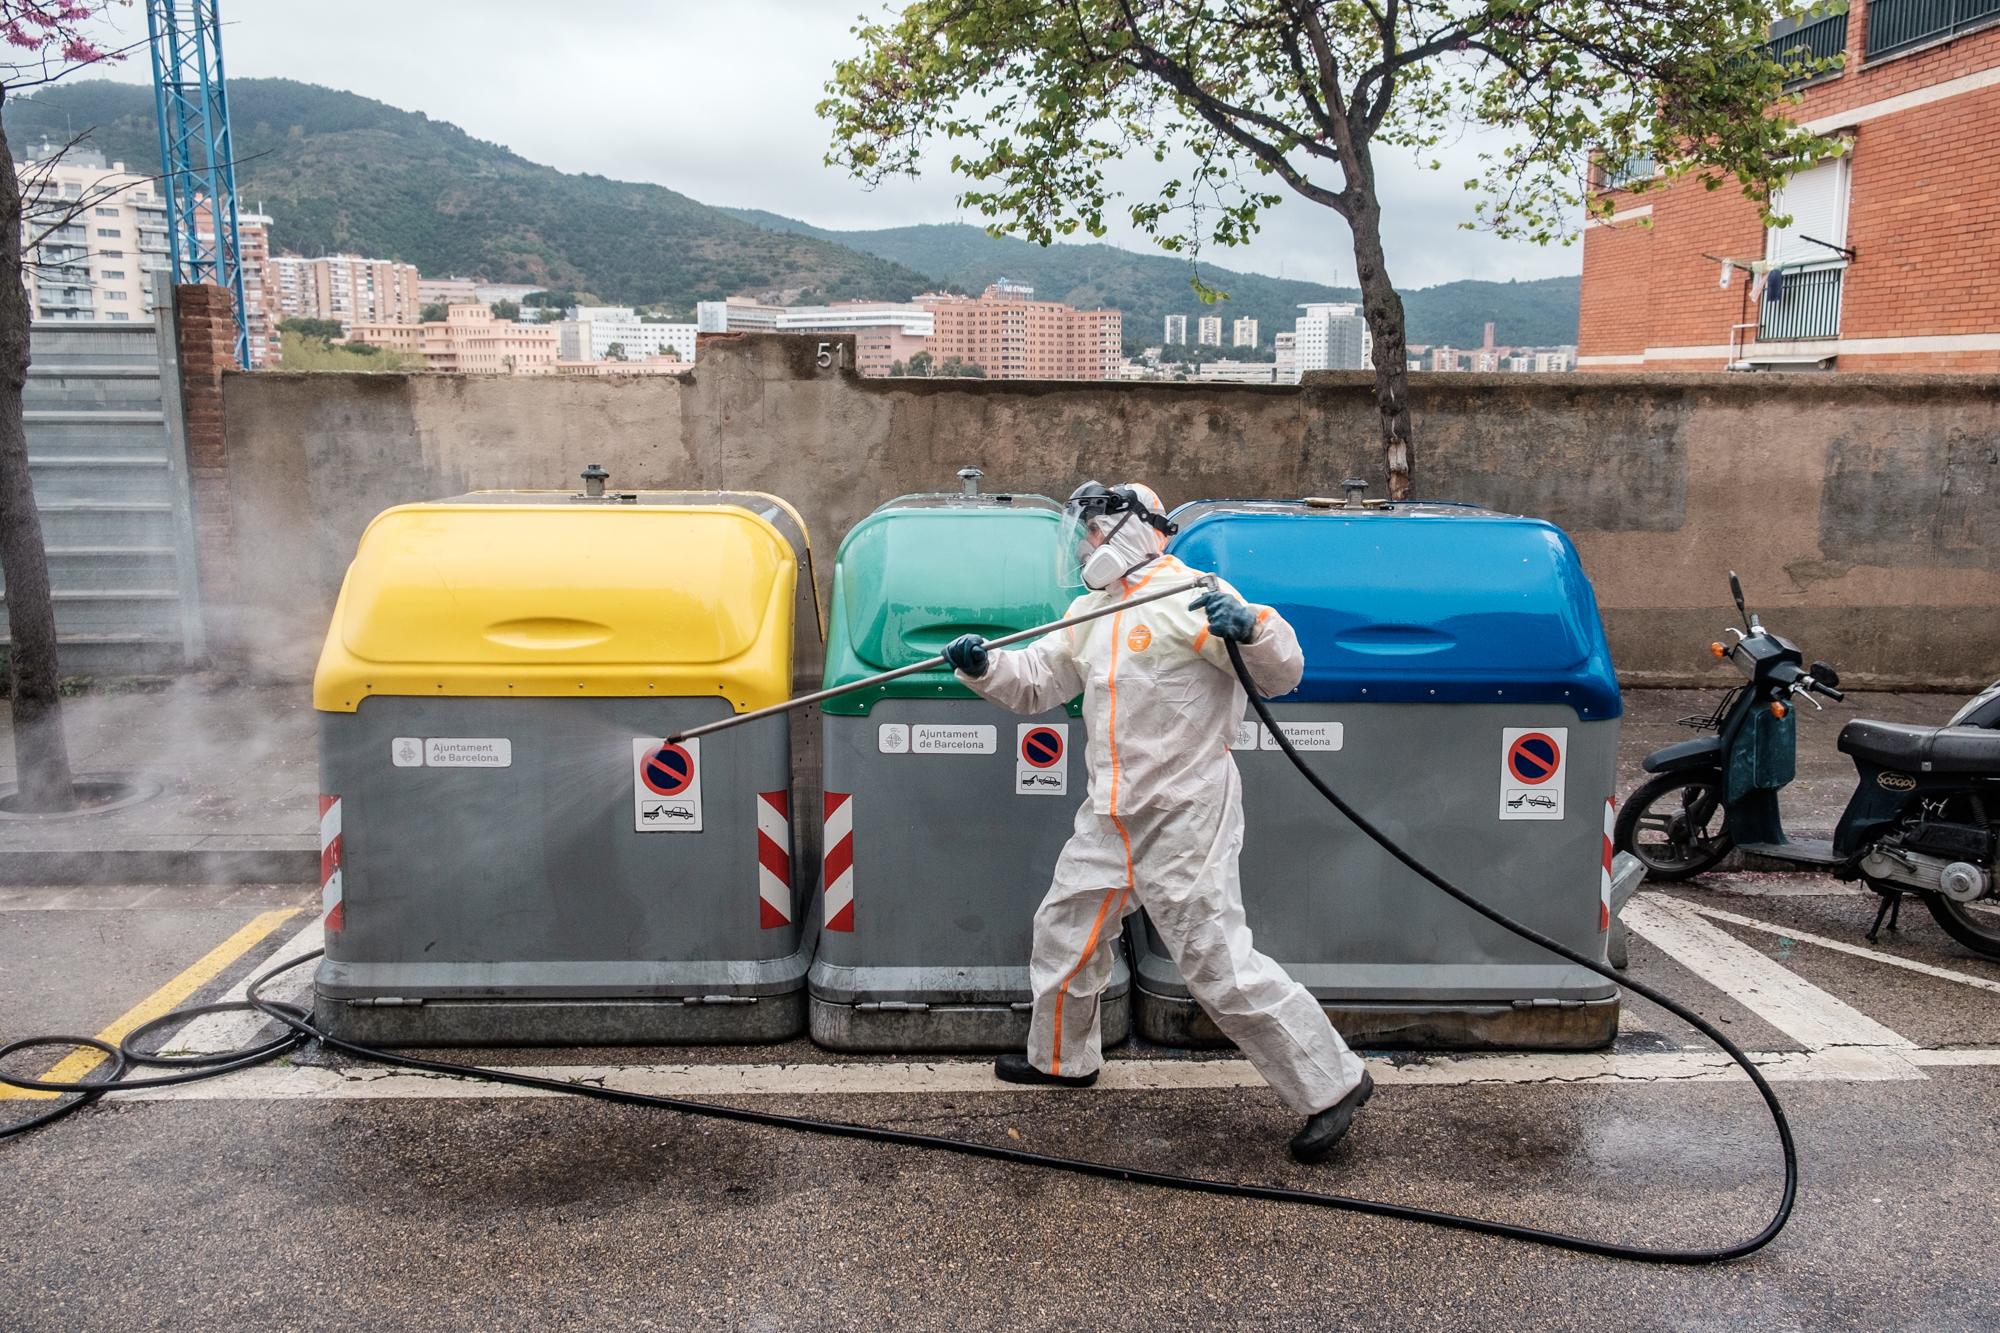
715	100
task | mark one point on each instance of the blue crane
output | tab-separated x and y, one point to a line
197	155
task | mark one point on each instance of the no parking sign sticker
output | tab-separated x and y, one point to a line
1041	759
666	786
1532	772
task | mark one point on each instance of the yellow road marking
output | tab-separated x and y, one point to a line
73	1067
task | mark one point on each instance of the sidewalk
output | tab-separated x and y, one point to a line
237	772
237	775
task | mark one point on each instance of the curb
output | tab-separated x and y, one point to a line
158	865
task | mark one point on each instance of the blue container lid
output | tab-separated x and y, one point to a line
1417	603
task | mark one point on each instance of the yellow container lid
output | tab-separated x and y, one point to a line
546	597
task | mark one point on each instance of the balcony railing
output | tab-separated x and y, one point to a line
1821	39
1616	176
1807	306
1894	25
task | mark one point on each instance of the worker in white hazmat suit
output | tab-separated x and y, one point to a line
1164	821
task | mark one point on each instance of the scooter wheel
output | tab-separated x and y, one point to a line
1977	931
1675	825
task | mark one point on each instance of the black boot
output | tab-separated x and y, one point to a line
1013	1067
1326	1129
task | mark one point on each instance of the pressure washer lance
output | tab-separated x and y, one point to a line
1206	583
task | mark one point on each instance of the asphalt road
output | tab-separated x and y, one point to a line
325	1195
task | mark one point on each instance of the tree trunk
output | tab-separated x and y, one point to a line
1384	311
41	758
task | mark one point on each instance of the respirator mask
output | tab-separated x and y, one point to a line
1108	530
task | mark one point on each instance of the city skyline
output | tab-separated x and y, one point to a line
777	129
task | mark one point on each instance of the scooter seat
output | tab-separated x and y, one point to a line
1923	749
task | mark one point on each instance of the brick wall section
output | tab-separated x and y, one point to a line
205	334
1925	183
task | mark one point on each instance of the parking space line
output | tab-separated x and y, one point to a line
225	1032
1794	1006
203	970
1842	946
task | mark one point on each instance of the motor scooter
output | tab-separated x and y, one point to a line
1924	817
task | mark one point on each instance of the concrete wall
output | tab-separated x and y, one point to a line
1860	510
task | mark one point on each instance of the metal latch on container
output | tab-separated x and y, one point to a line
718	999
1548	1002
387	1002
891	1007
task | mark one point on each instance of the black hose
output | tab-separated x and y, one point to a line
1533	936
302	1029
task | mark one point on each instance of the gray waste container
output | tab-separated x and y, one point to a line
1458	691
511	855
944	813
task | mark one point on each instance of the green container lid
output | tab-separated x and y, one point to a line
922	570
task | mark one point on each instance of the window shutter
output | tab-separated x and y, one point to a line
1816	199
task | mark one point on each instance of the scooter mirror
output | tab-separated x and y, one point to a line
1736	591
1825	674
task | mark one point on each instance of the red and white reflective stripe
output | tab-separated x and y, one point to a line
1604	876
839	877
331	850
774	859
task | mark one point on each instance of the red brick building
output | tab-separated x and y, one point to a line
1013	336
1892	259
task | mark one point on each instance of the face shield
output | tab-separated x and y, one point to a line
1109	533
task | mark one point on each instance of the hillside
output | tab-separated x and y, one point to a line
1149	287
341	172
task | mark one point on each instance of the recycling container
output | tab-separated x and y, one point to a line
1458	691
511	853
944	813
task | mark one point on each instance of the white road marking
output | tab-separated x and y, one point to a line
228	1031
1874	955
960	1077
1956	1055
1794	1006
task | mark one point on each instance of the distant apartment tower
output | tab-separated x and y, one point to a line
1284	348
1243	333
736	315
1011	336
1176	335
352	289
97	264
470	341
1331	335
1209	331
447	291
599	333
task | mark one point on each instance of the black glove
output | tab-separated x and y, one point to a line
968	653
1228	617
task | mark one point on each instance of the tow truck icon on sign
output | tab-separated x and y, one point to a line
661	812
1531	800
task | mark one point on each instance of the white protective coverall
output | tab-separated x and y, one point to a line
1162	827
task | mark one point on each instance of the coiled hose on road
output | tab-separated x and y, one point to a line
301	1030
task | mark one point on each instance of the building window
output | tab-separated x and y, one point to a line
106	212
115	296
113	273
116	314
1816	201
112	232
